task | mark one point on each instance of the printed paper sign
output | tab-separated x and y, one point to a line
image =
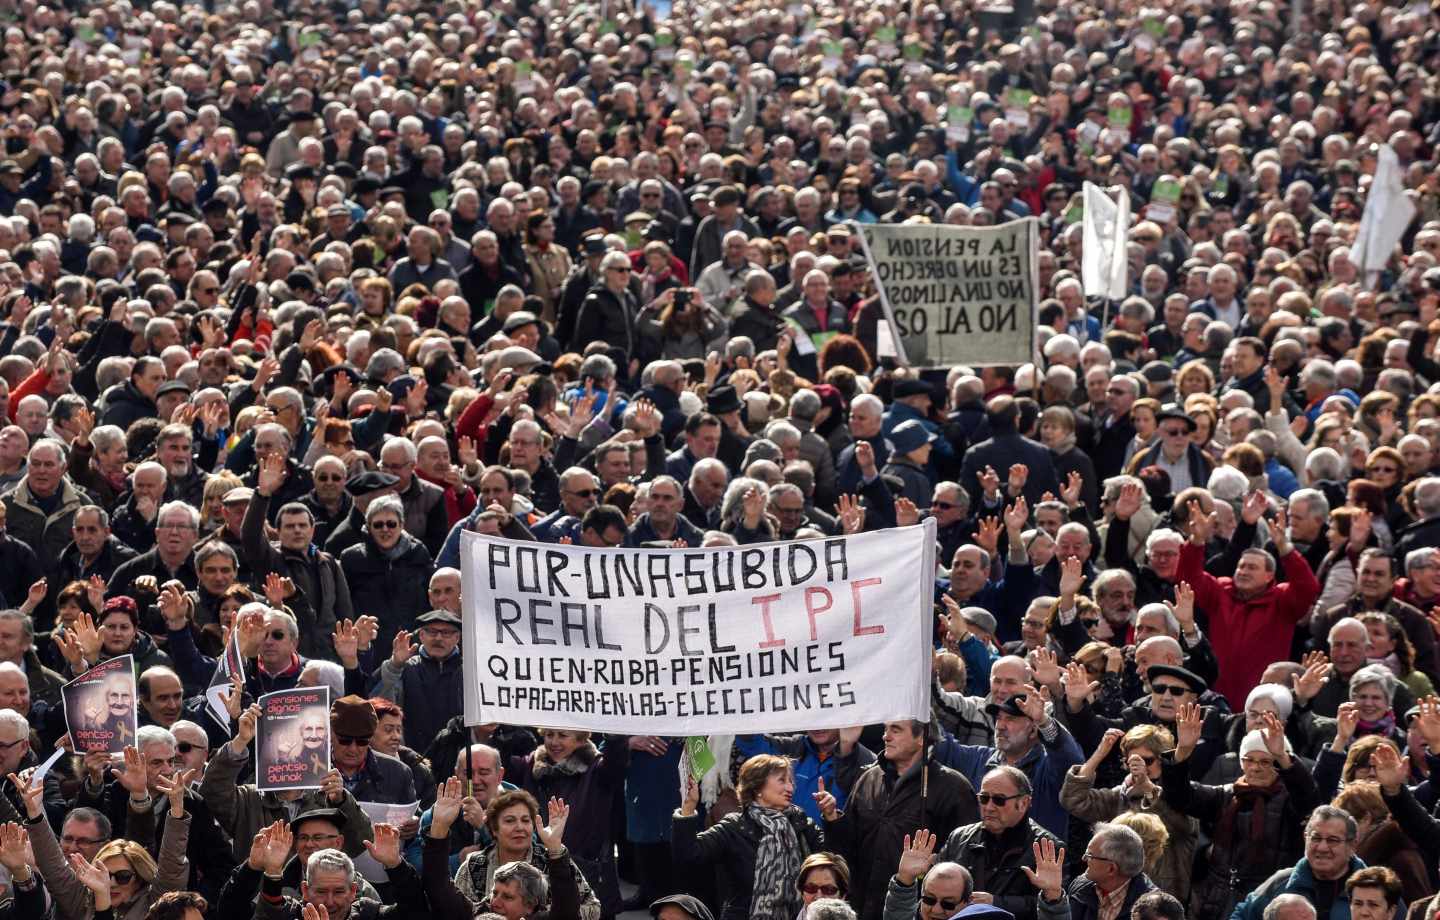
957	295
100	707
292	743
682	642
381	813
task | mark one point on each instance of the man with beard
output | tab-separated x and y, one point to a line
1002	843
173	448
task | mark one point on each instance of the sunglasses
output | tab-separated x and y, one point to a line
351	741
185	747
585	493
210	290
944	506
1090	624
384	525
986	798
946	904
1147	759
1171	689
1383	469
278	635
122	877
828	891
329	478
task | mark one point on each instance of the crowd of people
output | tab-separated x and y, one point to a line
293	294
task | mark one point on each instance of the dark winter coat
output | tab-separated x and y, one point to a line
393	587
732	846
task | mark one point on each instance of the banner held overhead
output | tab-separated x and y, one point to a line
956	295
802	635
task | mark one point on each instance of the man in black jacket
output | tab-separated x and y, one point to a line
1006	447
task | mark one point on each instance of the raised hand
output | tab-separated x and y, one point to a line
825	800
92	875
278	844
1313	678
1015	480
1016	517
1070	491
1428	722
851	515
1253	507
1184	607
865	458
1045	667
989	482
173	607
1072	576
987	535
174	788
87	636
446	808
692	797
271	475
1048	876
1108	741
1347	718
1033	703
754	507
553	834
1128	502
12	848
401	648
906	513
1273	730
917	856
310	911
132	777
332	787
278	589
1078	686
369	628
1201	525
386	845
32	797
1390	771
235	697
245	732
1188	722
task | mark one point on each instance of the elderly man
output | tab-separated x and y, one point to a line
425	517
128	402
1420	587
1348	644
483	769
945	890
368	774
444	589
208	849
1001	844
161	696
1320	876
40	509
527	452
663	522
1375	590
92	550
886	804
1425	531
972	583
1113	881
134	521
322	596
1026	737
429	684
177	527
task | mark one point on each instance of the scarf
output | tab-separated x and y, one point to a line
1257	798
1391	661
777	866
1385	725
1064	446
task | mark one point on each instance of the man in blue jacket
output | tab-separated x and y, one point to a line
1028	738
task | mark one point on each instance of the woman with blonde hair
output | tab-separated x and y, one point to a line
1194	377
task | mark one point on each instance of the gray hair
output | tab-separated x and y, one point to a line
327	674
147	735
192	514
1331	813
783	433
27	622
1427	497
1325	463
1277	906
329	861
829	909
1419	558
17	722
388	502
733	504
216	548
706	465
805	405
1162	535
1316	504
1374	674
1122	846
1172	625
534	887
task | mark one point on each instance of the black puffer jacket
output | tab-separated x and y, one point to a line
393	587
125	405
732	845
995	862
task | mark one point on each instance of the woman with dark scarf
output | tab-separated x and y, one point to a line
759	849
830	423
568	765
1255	824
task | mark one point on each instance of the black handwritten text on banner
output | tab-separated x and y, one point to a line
799	635
958	295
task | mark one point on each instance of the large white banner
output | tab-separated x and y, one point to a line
957	295
774	637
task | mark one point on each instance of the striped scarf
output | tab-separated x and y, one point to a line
777	865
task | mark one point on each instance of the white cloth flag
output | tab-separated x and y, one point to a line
1105	267
1388	211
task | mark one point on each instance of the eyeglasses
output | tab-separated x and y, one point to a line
828	891
944	506
316	838
622	271
122	877
1382	469
72	840
1147	759
384	525
986	798
278	635
1171	689
1326	840
1118	391
185	747
351	741
1174	432
1088	857
209	290
946	904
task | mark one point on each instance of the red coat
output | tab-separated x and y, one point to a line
1248	635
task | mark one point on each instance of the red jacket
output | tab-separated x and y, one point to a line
1248	635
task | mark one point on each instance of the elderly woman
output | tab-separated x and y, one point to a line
513	876
123	880
759	849
1057	432
1140	750
1391	647
1379	840
1255	824
822	876
742	511
1370	711
389	571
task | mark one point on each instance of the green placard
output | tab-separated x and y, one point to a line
885	35
310	39
1119	116
1155	28
914	52
1074	214
664	39
702	759
523	69
1166	191
607	26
